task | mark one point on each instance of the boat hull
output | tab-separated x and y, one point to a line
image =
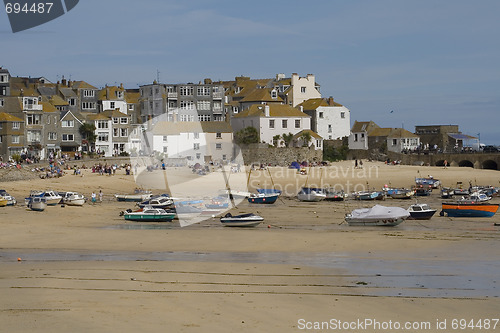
132	197
268	199
149	218
241	221
469	210
427	215
74	202
390	222
3	202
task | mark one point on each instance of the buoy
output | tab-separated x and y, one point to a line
269	226
19	259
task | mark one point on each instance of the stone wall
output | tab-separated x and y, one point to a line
280	156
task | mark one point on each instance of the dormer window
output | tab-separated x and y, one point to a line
88	93
274	94
119	94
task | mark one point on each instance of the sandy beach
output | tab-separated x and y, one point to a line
85	269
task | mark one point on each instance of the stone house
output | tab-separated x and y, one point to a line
11	136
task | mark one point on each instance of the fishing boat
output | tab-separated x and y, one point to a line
243	220
51	197
460	190
11	201
139	195
311	194
401	193
478	197
421	212
466	208
377	216
149	214
333	195
263	198
157	202
422	190
429	181
37	204
218	203
3	202
73	199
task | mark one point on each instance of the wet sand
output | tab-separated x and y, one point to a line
85	269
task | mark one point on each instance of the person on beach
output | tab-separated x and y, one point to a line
93	196
100	195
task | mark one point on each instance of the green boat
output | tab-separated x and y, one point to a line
149	215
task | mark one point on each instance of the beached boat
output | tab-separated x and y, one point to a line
3	202
268	191
478	197
149	214
263	198
73	199
333	195
422	190
139	195
37	204
468	209
377	216
460	190
51	197
447	193
370	195
243	220
157	202
11	201
218	203
429	181
401	193
421	212
311	194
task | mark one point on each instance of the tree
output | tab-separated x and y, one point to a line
287	138
87	130
276	140
247	135
306	138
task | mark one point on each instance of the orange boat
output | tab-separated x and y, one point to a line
469	209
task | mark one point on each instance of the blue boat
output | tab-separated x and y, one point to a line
468	209
218	203
268	191
263	198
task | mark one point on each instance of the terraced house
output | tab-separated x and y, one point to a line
11	136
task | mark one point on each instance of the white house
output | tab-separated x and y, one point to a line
303	88
329	119
113	98
358	139
400	139
112	131
272	120
198	142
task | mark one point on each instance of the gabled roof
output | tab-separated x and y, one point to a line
82	85
132	97
56	100
381	132
311	132
109	93
69	113
47	106
97	116
67	92
261	95
361	126
275	110
402	133
313	103
4	117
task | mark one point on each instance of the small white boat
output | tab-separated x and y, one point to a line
478	197
11	201
243	220
157	202
73	199
51	197
136	197
311	194
37	204
421	212
377	216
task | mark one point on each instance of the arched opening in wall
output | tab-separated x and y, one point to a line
466	163
489	164
440	163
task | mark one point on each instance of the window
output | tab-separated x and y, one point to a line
297	123
33	119
203	91
0	139
198	156
102	124
218	146
116	132
165	149
204	117
52	136
196	146
235	109
68	123
321	115
329	128
4	78
186	91
362	135
224	157
68	137
218	135
318	143
271	123
342	115
123	120
119	94
111	105
217	106
15	139
394	142
103	137
196	135
72	101
34	136
115	120
187	117
187	105
3	91
274	94
16	125
2	102
88	93
302	89
88	105
284	123
165	138
171	89
203	105
131	107
123	132
355	137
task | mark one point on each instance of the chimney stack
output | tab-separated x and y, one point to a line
330	101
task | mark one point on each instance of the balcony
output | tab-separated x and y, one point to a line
217	95
172	95
33	107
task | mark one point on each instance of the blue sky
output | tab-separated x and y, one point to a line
431	62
